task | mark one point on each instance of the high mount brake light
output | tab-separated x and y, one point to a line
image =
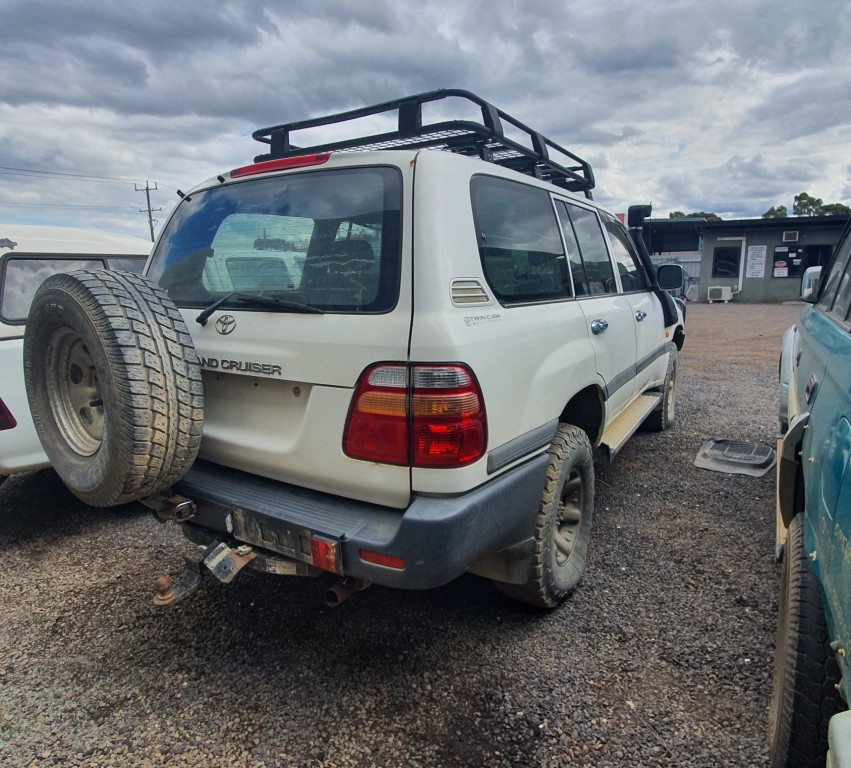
282	164
418	415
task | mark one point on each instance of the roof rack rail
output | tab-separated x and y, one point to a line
486	139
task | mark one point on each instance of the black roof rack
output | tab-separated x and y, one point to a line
486	139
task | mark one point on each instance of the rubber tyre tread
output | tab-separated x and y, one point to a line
548	584
663	416
804	696
149	377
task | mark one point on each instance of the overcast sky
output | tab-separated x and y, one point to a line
731	106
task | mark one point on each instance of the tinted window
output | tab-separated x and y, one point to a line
626	257
519	241
725	261
836	282
23	277
127	264
326	238
590	266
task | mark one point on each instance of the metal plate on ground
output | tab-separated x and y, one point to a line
735	457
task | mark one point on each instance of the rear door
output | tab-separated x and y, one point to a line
608	313
331	246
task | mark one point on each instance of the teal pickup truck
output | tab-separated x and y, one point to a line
810	724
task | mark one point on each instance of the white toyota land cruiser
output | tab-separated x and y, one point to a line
403	359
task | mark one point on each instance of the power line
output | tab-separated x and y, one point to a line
68	205
78	176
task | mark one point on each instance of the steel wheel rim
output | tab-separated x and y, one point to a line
568	517
74	392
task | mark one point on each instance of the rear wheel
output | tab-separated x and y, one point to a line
805	670
563	525
113	383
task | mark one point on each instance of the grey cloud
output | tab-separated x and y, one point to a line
720	106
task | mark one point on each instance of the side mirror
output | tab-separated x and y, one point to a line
810	284
670	277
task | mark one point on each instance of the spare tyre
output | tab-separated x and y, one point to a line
113	383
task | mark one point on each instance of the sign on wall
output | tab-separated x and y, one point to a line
756	261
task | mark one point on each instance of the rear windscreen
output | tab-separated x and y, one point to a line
329	239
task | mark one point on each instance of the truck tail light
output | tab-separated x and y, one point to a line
7	421
418	415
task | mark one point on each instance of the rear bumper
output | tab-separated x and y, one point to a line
438	538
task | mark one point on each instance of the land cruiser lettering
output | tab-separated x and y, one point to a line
244	366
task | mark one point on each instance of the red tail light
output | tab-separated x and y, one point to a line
7	421
417	415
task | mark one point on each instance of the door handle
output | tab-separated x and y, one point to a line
598	326
640	315
811	388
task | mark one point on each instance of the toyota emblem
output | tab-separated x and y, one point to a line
225	324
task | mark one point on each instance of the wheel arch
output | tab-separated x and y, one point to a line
585	410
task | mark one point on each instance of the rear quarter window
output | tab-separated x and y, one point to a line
519	242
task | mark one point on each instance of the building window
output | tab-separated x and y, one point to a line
792	260
725	261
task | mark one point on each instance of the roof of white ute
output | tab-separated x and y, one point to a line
30	238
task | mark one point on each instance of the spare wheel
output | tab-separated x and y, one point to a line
114	384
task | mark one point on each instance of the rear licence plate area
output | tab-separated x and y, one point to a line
286	539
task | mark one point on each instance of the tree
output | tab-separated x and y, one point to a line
806	205
694	215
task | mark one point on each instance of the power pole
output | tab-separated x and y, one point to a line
150	211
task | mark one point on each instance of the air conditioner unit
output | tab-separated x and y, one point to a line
790	237
719	293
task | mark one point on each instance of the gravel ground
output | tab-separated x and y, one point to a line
662	657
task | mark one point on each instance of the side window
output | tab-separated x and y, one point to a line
23	276
843	295
519	242
626	257
591	266
836	295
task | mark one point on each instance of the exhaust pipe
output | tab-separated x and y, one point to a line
342	590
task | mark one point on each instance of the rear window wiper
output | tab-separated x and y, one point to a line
256	298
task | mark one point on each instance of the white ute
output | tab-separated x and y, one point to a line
28	254
405	360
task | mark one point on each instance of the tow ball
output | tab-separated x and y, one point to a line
222	561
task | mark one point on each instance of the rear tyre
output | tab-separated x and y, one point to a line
113	383
664	415
804	697
563	524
